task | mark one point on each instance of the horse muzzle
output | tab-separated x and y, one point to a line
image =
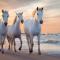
22	21
5	23
41	22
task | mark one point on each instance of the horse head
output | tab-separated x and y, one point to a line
20	16
5	16
39	14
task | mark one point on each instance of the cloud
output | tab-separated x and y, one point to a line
16	3
53	4
52	8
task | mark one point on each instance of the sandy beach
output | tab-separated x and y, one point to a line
50	51
26	56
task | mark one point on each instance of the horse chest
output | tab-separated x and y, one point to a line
32	27
35	29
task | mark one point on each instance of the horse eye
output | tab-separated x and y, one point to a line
37	14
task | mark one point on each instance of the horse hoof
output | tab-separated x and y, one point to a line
0	49
39	53
30	51
15	51
2	52
20	48
8	48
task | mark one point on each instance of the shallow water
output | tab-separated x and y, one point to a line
47	46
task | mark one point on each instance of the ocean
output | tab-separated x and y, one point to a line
49	44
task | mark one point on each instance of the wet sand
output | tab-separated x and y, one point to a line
26	56
46	50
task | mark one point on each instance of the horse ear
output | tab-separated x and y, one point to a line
22	13
2	11
42	8
37	8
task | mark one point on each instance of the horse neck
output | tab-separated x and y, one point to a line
15	20
3	27
36	21
17	23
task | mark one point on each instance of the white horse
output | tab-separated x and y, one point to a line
15	32
3	28
32	28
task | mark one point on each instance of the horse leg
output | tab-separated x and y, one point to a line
2	48
31	42
9	45
14	46
39	52
28	41
20	42
2	43
8	42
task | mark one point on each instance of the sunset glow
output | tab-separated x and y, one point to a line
51	12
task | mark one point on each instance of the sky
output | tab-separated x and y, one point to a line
51	12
